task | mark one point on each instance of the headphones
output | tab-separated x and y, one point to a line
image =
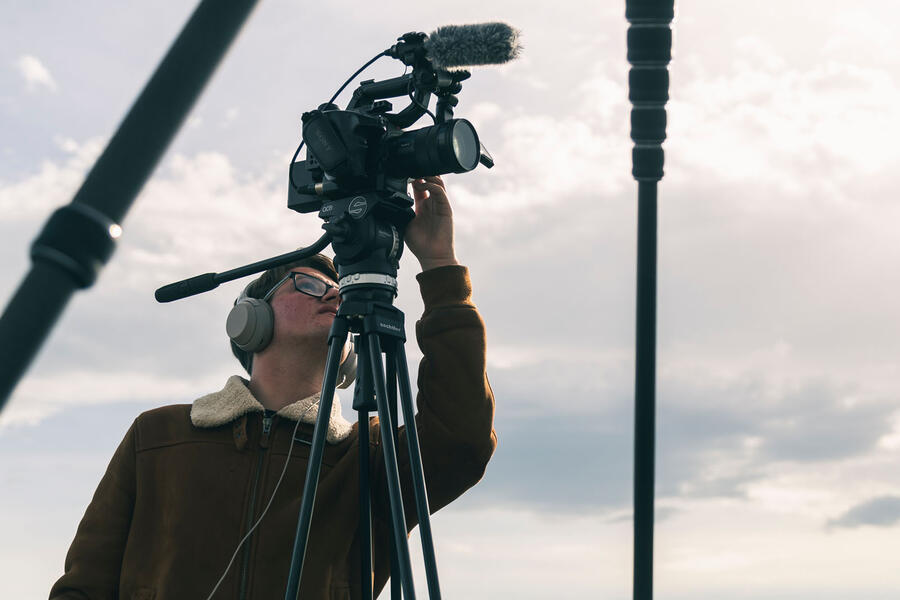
251	324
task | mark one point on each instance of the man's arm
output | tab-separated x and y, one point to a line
94	561
455	408
455	403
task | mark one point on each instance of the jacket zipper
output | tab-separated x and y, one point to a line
267	426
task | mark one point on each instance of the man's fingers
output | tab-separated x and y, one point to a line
430	186
423	190
431	180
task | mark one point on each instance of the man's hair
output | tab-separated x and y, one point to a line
263	283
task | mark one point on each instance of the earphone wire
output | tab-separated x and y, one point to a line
266	509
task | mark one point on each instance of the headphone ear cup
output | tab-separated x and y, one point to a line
250	324
347	370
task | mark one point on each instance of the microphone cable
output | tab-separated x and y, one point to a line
409	92
336	94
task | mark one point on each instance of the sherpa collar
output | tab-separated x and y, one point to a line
235	400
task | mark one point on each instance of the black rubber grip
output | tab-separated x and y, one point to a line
648	125
78	239
650	45
187	287
653	11
649	52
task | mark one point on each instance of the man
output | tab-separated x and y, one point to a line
189	482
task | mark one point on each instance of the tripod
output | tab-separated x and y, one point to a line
367	310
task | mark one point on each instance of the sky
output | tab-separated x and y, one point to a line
778	424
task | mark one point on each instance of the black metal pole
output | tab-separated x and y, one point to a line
649	52
79	238
645	393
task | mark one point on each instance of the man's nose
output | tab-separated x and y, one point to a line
331	295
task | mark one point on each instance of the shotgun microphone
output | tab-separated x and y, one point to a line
461	46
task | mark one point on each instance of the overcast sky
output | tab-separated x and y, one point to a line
779	279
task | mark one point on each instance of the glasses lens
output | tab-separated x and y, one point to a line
309	285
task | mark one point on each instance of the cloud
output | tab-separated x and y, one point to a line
660	514
766	117
44	395
565	431
33	195
198	214
36	75
883	511
766	317
722	420
808	420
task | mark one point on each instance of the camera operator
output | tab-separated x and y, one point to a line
188	481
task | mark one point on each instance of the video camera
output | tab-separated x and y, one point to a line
360	160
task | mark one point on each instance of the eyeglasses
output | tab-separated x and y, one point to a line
306	284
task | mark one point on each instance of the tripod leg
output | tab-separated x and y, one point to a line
365	508
415	465
392	403
392	471
362	395
337	337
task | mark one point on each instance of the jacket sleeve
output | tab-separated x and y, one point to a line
93	563
455	404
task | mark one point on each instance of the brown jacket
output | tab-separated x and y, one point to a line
187	481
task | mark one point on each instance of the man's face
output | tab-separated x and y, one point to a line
301	317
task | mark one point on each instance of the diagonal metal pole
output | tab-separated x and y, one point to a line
79	238
649	52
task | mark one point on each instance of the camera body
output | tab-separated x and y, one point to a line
345	157
350	151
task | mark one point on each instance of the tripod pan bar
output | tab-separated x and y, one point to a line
210	281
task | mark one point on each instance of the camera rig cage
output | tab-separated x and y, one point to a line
359	160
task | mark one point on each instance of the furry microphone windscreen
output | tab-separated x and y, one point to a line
460	46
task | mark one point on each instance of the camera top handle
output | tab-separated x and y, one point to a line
424	80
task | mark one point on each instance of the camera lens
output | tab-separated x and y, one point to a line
450	147
465	144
